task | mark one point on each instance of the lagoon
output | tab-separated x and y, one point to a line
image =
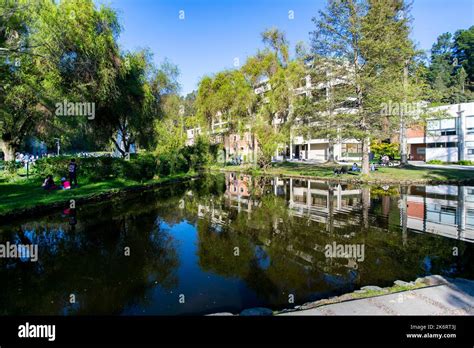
229	242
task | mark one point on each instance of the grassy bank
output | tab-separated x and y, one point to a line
25	194
408	174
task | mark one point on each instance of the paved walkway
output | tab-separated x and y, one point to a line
455	297
440	166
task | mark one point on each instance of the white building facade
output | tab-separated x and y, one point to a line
449	138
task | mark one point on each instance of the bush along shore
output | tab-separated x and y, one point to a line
407	175
98	179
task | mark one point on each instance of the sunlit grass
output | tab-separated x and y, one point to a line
27	193
390	174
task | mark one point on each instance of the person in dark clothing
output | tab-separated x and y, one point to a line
72	168
49	184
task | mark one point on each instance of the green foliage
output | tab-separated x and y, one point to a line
11	167
451	70
461	162
380	149
376	52
435	161
269	140
200	154
466	163
64	51
186	158
139	168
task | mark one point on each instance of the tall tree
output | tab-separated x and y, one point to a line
368	42
227	96
464	52
451	71
277	79
61	51
127	118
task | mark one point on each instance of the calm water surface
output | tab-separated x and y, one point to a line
230	242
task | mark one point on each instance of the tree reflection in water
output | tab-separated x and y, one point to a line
230	242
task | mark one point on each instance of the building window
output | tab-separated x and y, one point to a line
443	144
351	150
421	150
470	152
445	126
470	124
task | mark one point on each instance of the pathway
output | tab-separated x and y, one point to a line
453	297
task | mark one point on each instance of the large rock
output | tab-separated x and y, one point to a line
435	280
400	283
257	311
220	314
371	288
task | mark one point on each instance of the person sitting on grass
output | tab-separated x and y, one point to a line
49	184
355	167
66	185
337	171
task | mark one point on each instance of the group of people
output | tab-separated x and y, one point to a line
355	168
66	184
237	160
385	160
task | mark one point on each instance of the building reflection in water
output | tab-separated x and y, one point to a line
445	210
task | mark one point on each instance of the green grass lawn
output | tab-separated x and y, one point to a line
389	174
27	193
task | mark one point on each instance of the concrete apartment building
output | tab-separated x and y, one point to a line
448	139
244	145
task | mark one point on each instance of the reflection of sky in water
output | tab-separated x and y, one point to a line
204	290
262	257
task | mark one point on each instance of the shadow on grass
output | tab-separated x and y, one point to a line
437	173
30	193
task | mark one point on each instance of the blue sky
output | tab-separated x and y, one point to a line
214	33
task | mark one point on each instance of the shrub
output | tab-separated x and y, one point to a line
11	167
466	163
93	168
435	162
139	168
197	155
380	149
164	165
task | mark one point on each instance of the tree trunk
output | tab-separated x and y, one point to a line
403	138
365	156
117	146
331	151
8	148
